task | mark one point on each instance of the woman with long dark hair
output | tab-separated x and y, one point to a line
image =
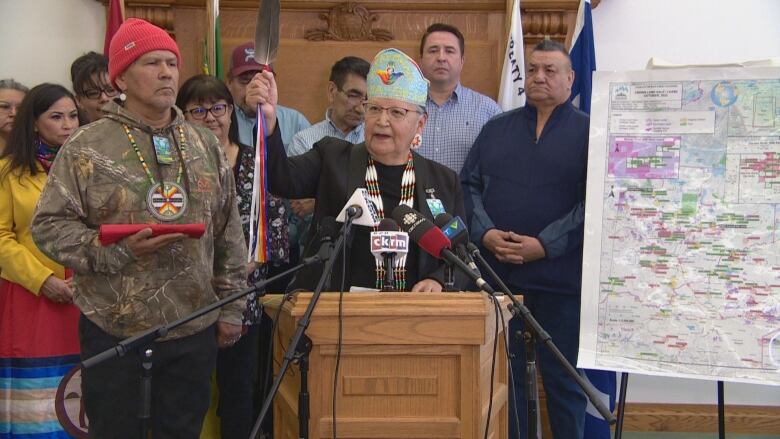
38	321
205	100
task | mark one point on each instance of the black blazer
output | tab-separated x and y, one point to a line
331	171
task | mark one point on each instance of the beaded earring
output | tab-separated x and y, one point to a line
416	141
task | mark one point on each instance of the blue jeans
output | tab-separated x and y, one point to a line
559	315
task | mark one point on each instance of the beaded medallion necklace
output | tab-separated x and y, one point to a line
166	201
407	198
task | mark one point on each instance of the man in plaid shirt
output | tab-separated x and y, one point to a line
456	114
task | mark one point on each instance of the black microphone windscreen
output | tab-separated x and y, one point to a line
421	230
411	221
388	225
442	219
328	228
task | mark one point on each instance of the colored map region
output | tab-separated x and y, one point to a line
644	157
682	248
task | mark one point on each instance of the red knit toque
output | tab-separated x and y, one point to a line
132	40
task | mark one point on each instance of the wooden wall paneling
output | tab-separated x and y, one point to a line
304	66
701	418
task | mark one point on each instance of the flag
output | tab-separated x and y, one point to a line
583	61
212	47
605	383
583	57
114	19
511	93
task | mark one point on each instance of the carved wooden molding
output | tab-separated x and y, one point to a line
319	5
349	22
552	23
159	15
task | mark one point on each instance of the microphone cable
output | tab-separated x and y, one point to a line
269	360
340	333
474	250
496	311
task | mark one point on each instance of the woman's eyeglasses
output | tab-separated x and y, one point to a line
395	113
94	93
7	107
215	110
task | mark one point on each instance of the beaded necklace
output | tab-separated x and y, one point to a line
166	201
407	198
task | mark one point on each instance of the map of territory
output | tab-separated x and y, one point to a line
682	248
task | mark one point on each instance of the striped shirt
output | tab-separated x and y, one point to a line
304	140
290	122
453	127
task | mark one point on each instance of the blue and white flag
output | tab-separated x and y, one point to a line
604	382
511	93
583	57
583	61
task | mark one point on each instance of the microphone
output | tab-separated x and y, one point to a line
431	239
360	208
389	247
455	229
328	229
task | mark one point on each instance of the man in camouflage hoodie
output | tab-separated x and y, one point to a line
143	164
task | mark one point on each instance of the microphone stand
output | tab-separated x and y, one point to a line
533	332
300	345
143	343
388	283
449	277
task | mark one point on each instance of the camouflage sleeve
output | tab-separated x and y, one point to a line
230	252
58	226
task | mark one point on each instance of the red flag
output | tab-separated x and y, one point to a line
116	15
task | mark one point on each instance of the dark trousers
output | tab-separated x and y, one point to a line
235	379
180	385
559	315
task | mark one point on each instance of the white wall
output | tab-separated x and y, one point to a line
627	34
39	39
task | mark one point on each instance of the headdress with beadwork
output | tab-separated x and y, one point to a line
394	75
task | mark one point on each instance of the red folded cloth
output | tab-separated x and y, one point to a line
111	233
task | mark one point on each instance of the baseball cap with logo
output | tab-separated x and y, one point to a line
243	60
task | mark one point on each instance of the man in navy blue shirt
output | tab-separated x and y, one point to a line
524	187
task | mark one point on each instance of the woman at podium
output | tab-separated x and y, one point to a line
385	165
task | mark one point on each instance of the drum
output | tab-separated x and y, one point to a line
69	405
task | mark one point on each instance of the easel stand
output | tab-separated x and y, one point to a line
621	408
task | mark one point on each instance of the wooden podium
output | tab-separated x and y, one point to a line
413	365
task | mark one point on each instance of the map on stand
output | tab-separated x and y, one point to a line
681	271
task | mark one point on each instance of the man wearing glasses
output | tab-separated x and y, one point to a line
343	120
89	75
344	116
